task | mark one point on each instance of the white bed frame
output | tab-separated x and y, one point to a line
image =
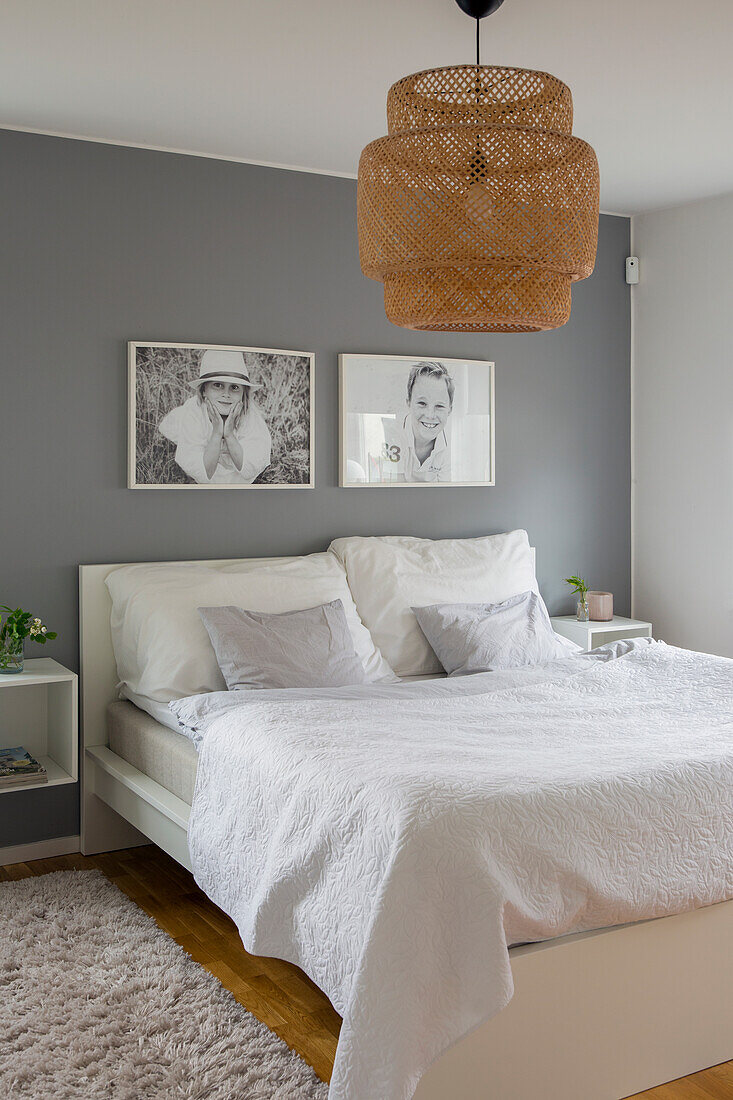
595	1016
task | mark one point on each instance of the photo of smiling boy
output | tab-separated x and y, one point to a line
416	421
425	454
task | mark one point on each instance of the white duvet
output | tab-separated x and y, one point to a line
394	844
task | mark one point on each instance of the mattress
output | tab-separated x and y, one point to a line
167	757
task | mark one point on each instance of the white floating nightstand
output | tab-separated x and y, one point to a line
39	710
592	634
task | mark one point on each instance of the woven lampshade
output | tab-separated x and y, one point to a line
480	208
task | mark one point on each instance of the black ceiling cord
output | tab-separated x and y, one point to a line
478	10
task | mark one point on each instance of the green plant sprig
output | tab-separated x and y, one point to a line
20	624
578	585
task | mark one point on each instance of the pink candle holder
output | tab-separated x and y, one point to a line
600	606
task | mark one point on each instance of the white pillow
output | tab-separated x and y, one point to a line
162	649
390	575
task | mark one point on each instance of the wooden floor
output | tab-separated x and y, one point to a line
275	992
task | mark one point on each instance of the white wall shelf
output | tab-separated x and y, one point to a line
592	634
39	710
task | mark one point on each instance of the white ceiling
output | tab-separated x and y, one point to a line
303	82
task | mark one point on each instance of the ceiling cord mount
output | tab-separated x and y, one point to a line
479	9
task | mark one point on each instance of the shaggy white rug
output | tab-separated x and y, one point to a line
97	1001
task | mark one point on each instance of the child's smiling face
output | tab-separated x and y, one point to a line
223	395
429	407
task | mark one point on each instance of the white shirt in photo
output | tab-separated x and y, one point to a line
399	460
189	427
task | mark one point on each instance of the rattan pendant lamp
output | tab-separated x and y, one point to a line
480	208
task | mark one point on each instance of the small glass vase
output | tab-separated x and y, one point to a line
11	656
583	614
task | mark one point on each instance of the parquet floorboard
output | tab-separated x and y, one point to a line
277	993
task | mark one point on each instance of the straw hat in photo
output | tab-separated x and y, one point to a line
223	366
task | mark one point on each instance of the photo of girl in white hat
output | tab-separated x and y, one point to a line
220	436
206	416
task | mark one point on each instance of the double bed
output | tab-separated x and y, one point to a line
596	1014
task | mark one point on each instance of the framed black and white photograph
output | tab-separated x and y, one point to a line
217	416
412	421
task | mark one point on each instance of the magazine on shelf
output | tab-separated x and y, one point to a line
18	768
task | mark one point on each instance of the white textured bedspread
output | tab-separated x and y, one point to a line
393	847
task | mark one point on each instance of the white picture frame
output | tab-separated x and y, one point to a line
165	377
381	443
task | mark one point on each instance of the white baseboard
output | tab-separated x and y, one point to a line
42	849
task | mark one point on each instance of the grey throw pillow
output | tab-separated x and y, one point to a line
311	648
484	637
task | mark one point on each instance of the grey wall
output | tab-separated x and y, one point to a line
683	397
102	244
